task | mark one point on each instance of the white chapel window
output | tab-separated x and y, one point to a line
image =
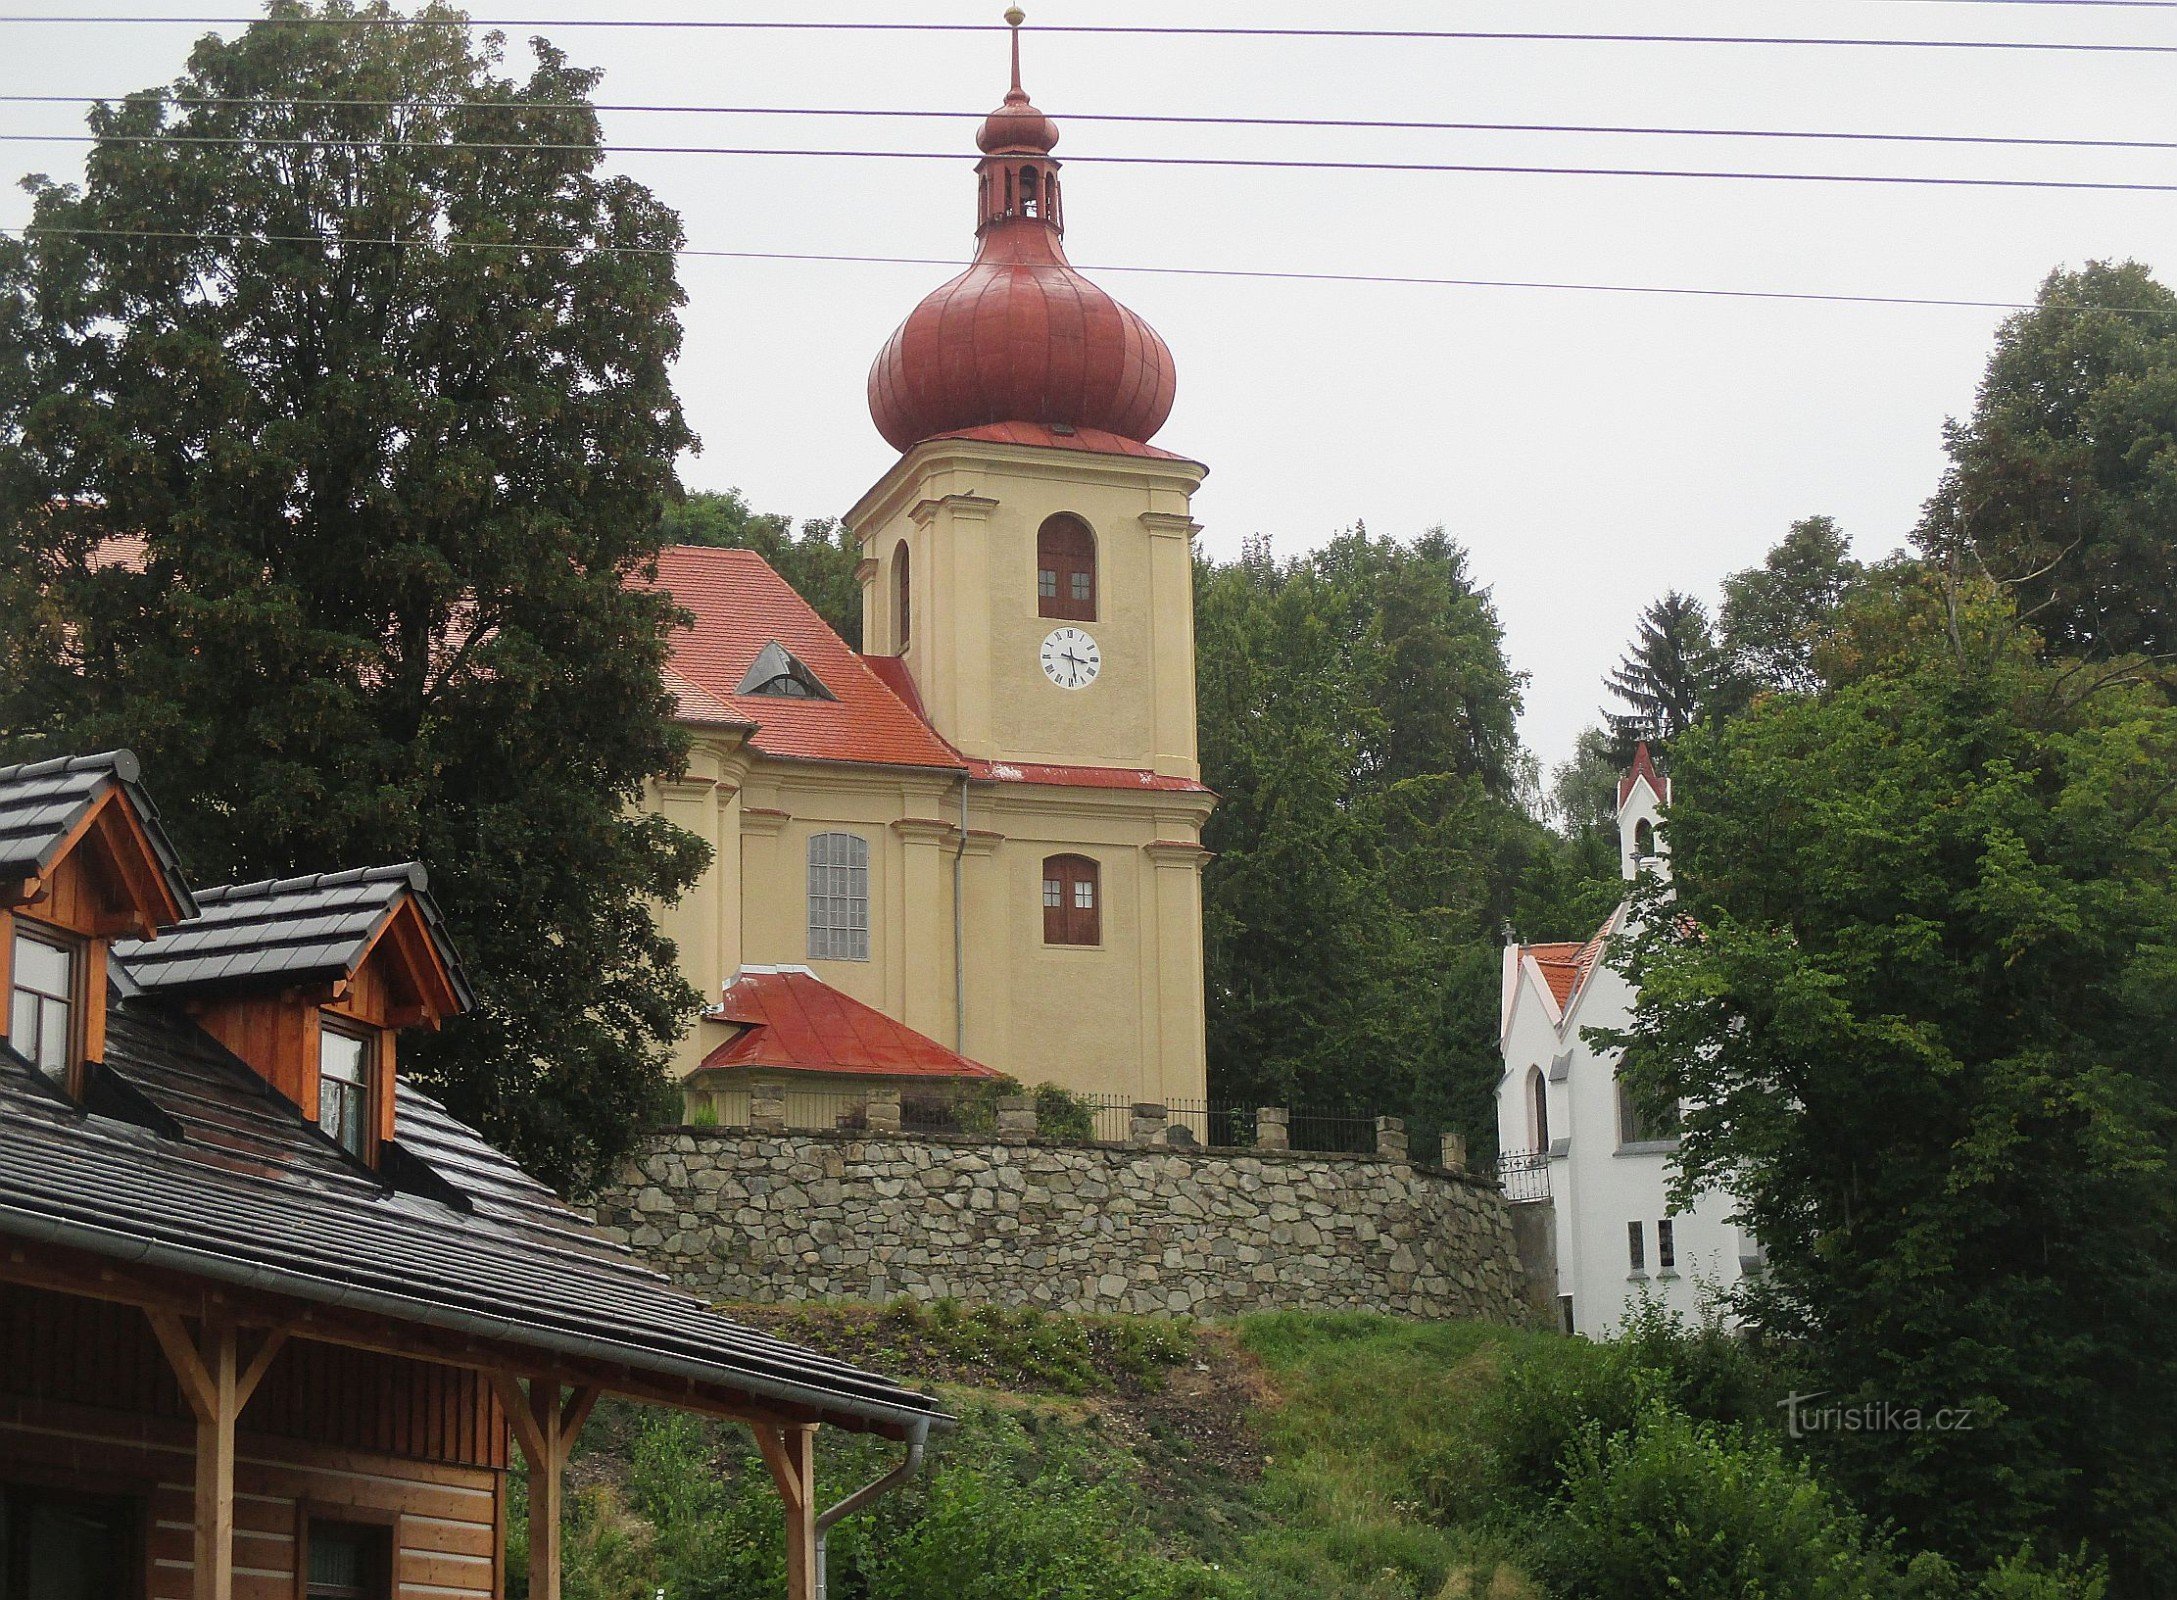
838	897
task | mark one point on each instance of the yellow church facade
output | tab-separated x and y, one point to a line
972	844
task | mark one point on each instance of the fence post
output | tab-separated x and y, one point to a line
1273	1128
1016	1118
767	1107
1391	1138
1147	1125
1455	1152
881	1110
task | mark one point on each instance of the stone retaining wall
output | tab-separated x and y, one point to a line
740	1215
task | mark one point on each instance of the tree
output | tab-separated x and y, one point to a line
2064	481
1775	616
819	562
1918	996
1584	790
389	498
1668	676
1357	716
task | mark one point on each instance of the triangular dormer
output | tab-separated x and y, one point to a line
778	672
83	860
309	981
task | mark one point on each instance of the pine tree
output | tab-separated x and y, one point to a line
1668	676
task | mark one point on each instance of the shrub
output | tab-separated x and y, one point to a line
1059	1115
1695	1512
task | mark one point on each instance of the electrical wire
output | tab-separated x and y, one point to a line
1175	119
1412	280
1257	163
1469	35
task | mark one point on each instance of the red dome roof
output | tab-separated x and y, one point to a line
1020	336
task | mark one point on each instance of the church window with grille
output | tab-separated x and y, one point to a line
838	897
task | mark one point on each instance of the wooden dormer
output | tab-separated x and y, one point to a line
310	982
83	861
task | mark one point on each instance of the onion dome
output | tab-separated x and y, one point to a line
1020	337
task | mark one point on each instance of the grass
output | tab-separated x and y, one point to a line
1279	1457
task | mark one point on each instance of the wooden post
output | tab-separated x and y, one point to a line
790	1453
547	1429
217	1387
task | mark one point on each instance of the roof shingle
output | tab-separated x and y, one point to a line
41	802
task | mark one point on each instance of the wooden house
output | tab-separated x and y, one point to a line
271	1321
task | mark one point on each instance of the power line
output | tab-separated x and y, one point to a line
1255	163
1364	124
1469	35
1412	280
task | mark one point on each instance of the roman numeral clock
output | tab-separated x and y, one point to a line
1070	658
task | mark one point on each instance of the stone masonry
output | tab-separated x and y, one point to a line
742	1214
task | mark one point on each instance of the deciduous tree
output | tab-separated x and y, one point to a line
1918	996
334	421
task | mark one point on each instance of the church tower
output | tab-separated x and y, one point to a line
1029	560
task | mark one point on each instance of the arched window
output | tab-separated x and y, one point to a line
1066	570
1644	839
1072	901
838	897
1028	192
1538	1110
903	604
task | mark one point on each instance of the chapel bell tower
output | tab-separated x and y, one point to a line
1029	558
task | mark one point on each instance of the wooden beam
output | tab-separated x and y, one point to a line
275	1340
205	1366
790	1453
151	1288
546	1428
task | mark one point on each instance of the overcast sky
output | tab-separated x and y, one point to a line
1590	449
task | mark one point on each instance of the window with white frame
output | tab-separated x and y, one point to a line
344	1060
838	897
42	1008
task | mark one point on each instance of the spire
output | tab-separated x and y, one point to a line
1017	127
1014	17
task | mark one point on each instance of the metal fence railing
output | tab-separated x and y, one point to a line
1524	1174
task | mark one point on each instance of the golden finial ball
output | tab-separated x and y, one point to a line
1014	16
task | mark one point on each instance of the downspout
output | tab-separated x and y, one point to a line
959	933
916	1438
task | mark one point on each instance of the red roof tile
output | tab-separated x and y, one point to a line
1568	964
1642	771
793	1021
741	605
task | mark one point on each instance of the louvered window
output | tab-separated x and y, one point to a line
838	897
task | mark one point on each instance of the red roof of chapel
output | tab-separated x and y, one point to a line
794	1021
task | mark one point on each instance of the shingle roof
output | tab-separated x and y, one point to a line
1643	770
1567	965
741	605
796	1022
252	1195
41	802
289	930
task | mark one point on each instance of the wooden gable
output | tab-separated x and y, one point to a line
400	981
104	880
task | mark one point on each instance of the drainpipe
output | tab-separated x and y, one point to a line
917	1436
959	933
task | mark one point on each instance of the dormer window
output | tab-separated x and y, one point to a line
346	1072
83	860
777	673
45	1001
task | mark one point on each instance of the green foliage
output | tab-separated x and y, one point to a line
1072	1355
1029	1510
1063	1116
2064	480
1777	615
818	561
1670	675
1681	1509
389	496
1356	716
1917	997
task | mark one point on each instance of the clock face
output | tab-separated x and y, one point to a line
1070	658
